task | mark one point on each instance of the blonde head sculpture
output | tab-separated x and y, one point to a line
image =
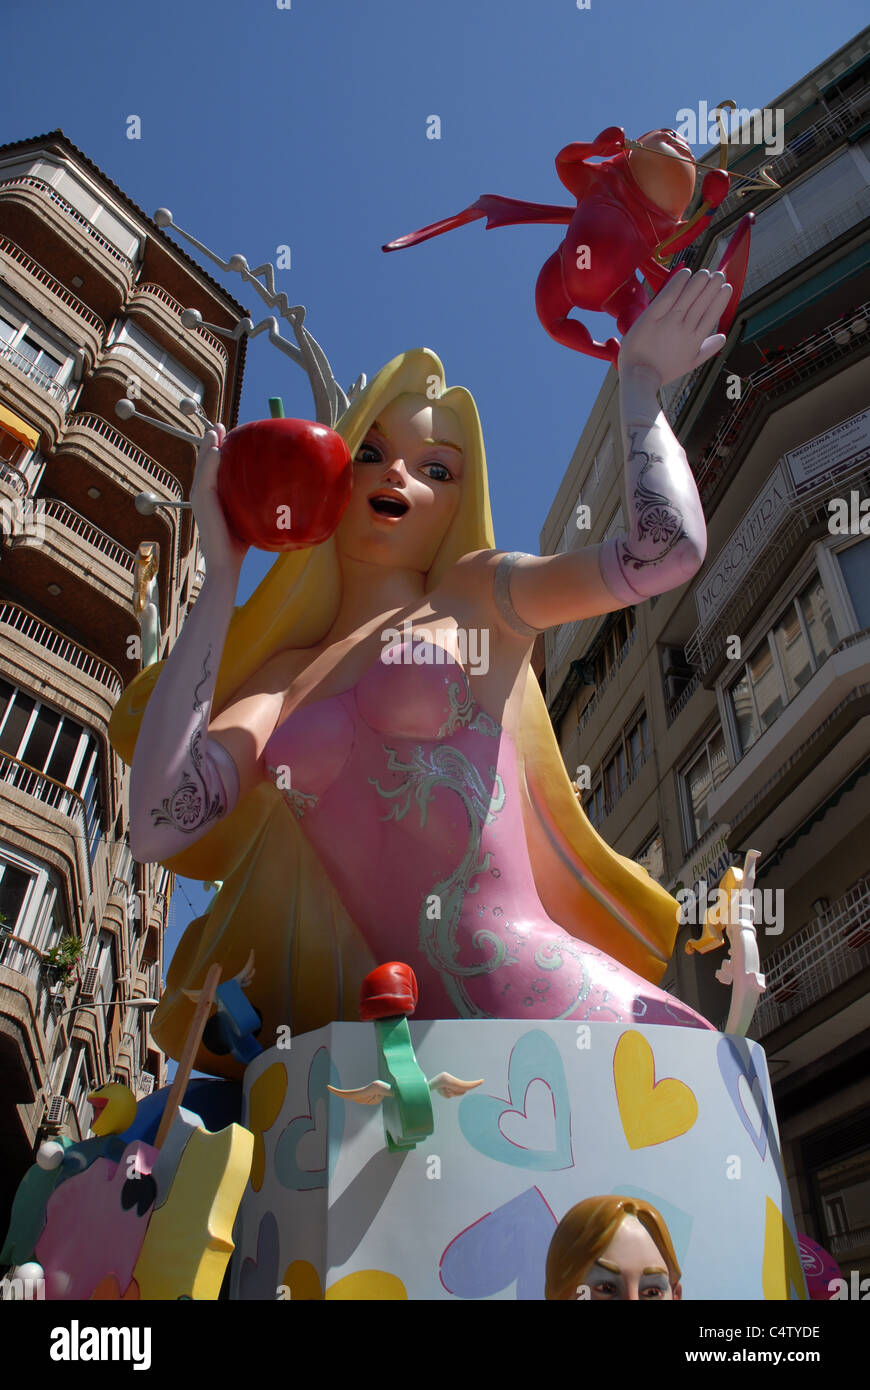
416	826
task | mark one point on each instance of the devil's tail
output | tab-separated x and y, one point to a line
498	211
733	265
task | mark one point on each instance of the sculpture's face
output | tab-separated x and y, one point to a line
665	170
407	479
631	1268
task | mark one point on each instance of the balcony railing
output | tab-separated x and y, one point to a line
820	957
158	292
675	709
55	795
35	630
833	342
92	535
28	181
54	287
589	709
21	956
802	245
39	378
137	457
822	135
623	783
10	475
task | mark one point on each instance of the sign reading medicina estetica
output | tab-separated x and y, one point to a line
836	451
745	544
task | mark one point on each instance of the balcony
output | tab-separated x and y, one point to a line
58	813
833	344
804	149
95	454
160	315
79	544
28	641
37	218
600	690
32	393
109	382
818	731
37	286
805	515
818	959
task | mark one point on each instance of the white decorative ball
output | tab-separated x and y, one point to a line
50	1155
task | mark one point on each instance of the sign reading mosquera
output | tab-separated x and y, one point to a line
837	450
744	544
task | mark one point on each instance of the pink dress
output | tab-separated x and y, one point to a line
409	794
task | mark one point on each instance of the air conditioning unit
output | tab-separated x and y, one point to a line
146	1083
90	985
55	1115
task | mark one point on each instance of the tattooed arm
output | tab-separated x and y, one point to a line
181	781
667	538
184	779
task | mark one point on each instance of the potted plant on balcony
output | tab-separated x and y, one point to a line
60	962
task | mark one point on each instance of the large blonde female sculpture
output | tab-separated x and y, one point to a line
365	798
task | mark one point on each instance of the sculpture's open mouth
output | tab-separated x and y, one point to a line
388	505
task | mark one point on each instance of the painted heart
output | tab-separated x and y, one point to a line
531	1126
264	1107
651	1112
258	1279
307	1151
737	1065
507	1246
302	1284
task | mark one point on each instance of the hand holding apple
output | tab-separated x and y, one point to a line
283	484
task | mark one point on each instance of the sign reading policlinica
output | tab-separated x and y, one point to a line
837	450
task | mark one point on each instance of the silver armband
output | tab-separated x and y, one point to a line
502	591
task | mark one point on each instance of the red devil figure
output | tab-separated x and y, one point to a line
628	215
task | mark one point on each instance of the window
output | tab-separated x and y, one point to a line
154	361
782	664
15	887
618	770
698	780
619	638
88	200
855	568
29	343
56	746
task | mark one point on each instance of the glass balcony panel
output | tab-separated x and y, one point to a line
793	652
765	683
819	620
855	567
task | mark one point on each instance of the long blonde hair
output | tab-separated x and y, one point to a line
276	899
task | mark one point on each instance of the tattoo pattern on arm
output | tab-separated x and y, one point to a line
190	806
658	519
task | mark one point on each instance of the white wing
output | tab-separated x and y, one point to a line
372	1094
451	1086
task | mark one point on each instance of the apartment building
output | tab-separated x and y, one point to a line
91	297
734	713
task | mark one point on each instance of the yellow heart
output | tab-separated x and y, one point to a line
303	1282
782	1275
651	1112
264	1107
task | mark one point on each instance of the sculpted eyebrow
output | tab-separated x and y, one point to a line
445	442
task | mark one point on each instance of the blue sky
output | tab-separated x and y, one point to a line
306	126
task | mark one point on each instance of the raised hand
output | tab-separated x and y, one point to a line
675	334
219	543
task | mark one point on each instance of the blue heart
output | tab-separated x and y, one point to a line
321	1073
534	1058
258	1279
736	1060
507	1244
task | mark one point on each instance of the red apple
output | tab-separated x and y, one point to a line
284	484
389	991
